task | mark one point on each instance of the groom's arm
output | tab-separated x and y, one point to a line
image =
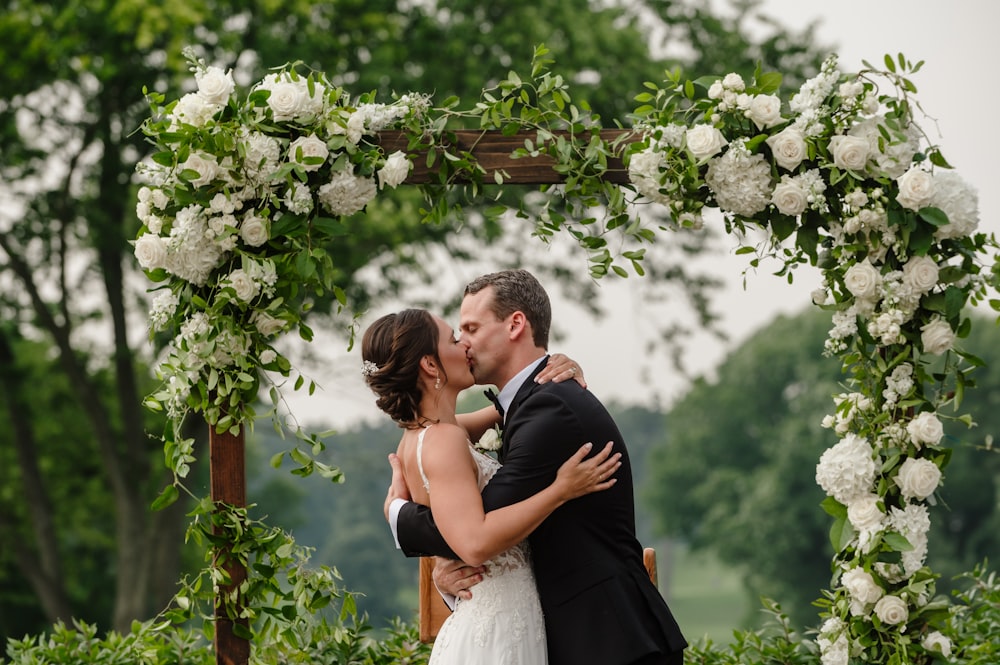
418	535
543	433
412	524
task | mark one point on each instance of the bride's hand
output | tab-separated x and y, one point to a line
561	368
578	476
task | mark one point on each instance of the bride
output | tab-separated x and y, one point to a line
417	368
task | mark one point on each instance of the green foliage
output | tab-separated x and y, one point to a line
735	473
974	621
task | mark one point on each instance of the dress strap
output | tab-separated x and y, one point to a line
420	460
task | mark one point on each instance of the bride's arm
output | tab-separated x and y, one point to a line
457	506
559	368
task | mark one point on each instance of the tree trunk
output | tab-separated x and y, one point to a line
39	564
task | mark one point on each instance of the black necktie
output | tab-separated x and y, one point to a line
492	396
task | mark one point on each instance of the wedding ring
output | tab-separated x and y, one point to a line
572	370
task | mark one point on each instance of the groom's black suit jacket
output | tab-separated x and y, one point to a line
599	603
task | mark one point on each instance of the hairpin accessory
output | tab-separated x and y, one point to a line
368	368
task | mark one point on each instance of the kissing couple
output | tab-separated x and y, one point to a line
537	551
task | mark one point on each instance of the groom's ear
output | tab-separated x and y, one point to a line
518	325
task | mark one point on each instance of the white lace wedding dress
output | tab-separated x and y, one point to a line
502	624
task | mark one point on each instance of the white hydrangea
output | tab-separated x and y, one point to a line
263	156
959	201
846	471
740	181
346	193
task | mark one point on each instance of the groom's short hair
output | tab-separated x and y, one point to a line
517	290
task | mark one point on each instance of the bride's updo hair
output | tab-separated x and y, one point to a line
391	350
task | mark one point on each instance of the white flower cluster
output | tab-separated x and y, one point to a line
898	385
834	644
846	471
795	194
208	220
947	191
912	522
740	181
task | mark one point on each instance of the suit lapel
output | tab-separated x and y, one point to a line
522	393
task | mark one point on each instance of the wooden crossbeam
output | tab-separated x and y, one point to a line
492	150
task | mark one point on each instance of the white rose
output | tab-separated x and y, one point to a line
395	170
244	285
916	188
788	148
920	273
704	141
715	90
936	641
266	324
891	610
819	296
862	588
937	337
851	89
287	100
925	429
206	169
864	514
918	478
764	111
151	251
193	110
254	232
849	152
268	356
309	146
490	440
863	280
733	81
214	85
355	127
789	198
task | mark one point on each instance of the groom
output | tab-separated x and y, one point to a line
599	603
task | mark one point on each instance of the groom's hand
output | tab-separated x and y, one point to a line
397	486
456	578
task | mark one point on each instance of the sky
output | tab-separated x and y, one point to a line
956	86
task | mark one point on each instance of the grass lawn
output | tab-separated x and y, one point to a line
706	598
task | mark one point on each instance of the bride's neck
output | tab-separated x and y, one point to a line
439	407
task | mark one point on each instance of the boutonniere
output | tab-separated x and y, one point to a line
490	441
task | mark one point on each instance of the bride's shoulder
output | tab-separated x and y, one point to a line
446	434
443	446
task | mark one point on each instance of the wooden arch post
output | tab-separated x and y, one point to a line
227	462
492	151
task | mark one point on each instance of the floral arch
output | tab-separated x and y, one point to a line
243	193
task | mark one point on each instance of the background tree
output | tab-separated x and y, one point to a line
735	475
69	111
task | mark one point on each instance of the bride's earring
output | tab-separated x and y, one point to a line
437	383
